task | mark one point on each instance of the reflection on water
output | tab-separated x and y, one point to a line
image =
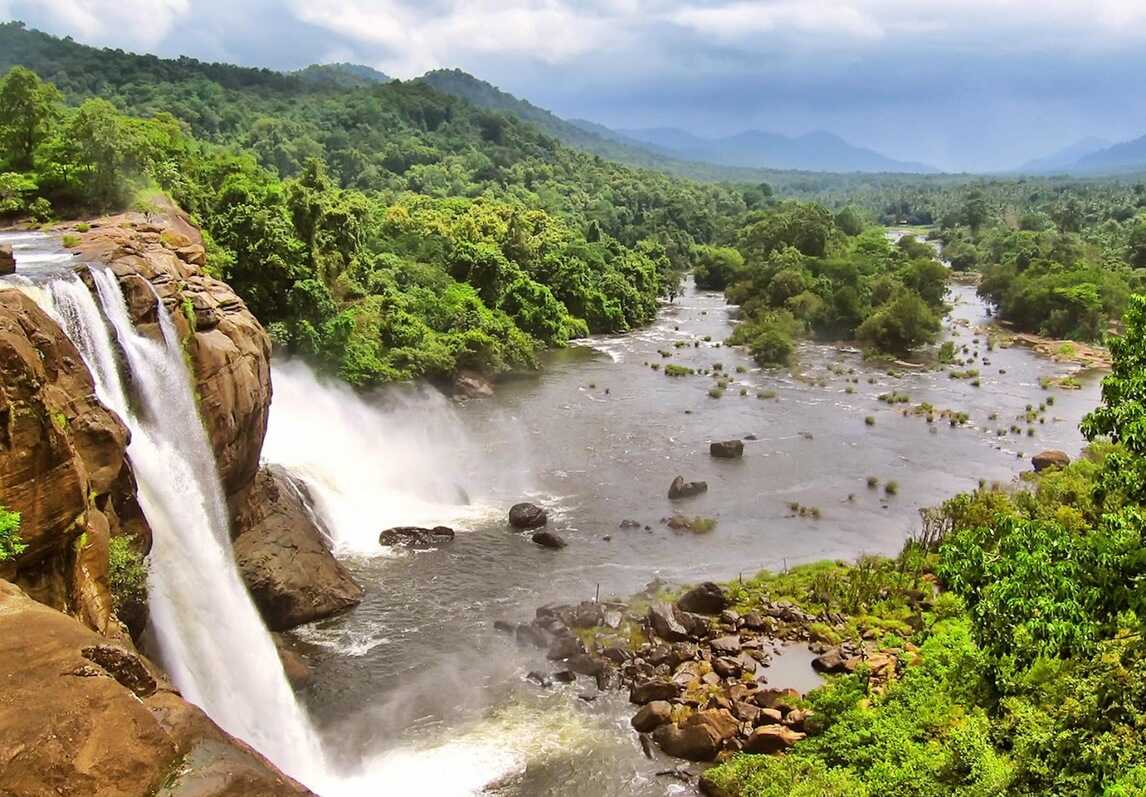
598	437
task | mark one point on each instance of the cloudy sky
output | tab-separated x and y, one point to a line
961	84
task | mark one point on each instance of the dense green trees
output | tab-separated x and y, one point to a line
10	543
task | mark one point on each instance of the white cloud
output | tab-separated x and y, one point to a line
416	39
741	19
138	24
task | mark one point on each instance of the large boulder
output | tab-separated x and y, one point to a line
7	260
698	738
1050	459
706	598
527	516
727	449
653	689
548	539
652	716
682	489
62	467
282	553
81	715
768	739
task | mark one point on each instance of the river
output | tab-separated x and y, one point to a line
414	691
596	437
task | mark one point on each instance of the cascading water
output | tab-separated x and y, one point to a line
210	636
369	468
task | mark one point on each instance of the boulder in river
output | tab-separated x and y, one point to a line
652	716
548	539
769	739
653	689
692	742
706	598
682	489
727	449
470	384
7	260
527	516
1050	459
416	537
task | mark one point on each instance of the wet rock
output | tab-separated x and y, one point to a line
768	739
726	645
724	725
527	634
706	598
691	742
617	654
1050	459
564	647
726	667
682	489
283	556
797	719
653	689
565	676
527	516
124	666
586	614
746	712
664	623
7	260
504	626
833	660
416	537
727	449
539	678
630	524
470	384
548	539
751	437
652	715
586	664
295	668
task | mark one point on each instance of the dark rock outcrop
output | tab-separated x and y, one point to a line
727	449
548	539
282	554
1050	459
682	489
80	715
706	598
527	516
7	260
416	537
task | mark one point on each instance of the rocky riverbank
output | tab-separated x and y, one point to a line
696	664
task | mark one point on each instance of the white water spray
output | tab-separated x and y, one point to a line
368	468
210	636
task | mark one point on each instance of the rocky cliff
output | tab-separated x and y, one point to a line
62	467
81	715
280	547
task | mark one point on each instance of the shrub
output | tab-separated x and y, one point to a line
11	545
126	574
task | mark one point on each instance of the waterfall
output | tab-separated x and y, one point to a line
209	634
399	457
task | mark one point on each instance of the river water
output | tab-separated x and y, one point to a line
597	437
415	692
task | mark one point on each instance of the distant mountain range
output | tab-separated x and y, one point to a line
1092	156
743	157
818	151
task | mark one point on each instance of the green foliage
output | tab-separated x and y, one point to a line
11	545
126	574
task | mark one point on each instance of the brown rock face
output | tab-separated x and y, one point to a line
7	260
283	557
61	467
80	716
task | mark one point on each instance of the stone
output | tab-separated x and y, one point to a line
831	661
283	556
527	634
564	647
726	645
706	598
682	489
470	384
1050	459
652	715
664	623
691	742
768	739
727	449
416	537
797	718
527	516
653	689
724	725
548	539
7	260
70	726
297	671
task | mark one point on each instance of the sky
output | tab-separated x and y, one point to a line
972	85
